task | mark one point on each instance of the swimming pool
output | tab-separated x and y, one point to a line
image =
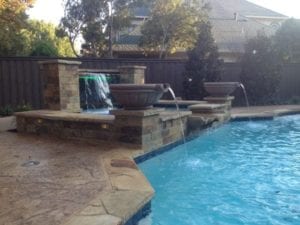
241	173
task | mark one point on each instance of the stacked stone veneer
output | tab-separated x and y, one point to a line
132	74
147	130
61	85
64	126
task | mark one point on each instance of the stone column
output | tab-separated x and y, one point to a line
132	74
138	127
227	100
61	85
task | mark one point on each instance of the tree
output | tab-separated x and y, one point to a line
261	67
203	64
172	26
287	40
12	20
95	21
41	39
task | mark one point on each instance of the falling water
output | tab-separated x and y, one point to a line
246	98
94	93
178	111
245	94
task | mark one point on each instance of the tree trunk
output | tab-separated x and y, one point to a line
73	47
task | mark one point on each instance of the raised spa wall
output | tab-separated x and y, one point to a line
145	129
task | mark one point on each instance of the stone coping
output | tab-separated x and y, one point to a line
225	98
263	112
180	102
166	116
109	71
132	67
60	61
207	106
137	113
67	116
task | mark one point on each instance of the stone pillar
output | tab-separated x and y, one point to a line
132	74
138	127
227	100
61	85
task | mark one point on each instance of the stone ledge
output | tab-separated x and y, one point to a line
59	61
180	102
166	116
206	107
217	99
137	113
66	116
132	67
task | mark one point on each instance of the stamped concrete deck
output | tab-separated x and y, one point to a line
52	182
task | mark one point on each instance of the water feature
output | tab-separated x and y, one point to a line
245	94
95	93
178	112
242	173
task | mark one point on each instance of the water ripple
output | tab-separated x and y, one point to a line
242	173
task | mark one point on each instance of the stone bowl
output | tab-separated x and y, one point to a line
220	89
138	97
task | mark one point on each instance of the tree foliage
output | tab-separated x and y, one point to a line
203	64
287	40
41	40
95	21
261	67
172	26
12	21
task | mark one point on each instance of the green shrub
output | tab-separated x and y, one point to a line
6	111
23	107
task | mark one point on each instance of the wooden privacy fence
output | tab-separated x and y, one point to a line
21	83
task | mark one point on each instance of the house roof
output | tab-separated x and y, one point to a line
229	33
226	9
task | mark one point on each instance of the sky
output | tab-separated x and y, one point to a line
52	10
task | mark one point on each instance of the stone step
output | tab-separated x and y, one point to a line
208	108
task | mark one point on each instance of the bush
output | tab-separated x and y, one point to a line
261	67
6	111
203	64
23	107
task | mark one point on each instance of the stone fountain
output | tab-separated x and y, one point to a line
138	96
138	123
215	108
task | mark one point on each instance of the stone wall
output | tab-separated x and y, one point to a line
147	130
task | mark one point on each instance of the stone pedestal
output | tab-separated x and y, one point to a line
227	100
138	127
61	89
132	74
149	129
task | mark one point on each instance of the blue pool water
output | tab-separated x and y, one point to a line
241	173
